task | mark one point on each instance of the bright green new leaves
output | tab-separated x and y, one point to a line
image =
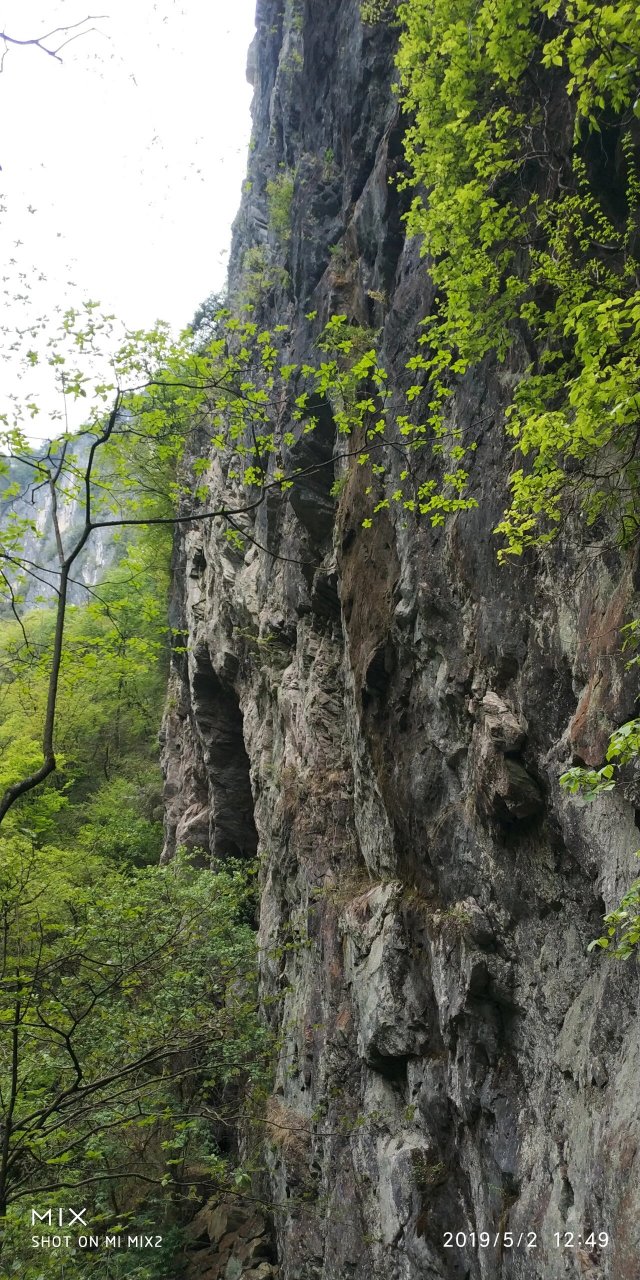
264	403
624	746
622	934
279	204
598	44
110	695
510	262
239	394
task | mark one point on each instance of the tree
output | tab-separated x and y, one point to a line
129	1019
106	791
533	242
128	1005
51	42
121	470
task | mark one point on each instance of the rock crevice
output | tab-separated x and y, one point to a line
384	714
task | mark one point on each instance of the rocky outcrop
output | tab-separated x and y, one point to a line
384	713
228	1242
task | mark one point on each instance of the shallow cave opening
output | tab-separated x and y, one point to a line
232	831
392	1068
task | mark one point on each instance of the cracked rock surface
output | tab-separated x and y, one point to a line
385	725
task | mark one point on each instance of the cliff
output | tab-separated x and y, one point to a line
383	714
33	506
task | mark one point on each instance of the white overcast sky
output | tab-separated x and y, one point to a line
131	153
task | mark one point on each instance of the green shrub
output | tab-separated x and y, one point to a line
279	203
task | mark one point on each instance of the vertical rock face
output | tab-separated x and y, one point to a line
383	714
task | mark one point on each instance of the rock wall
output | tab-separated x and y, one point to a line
384	715
33	505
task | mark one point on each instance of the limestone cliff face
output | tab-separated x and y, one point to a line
39	547
383	715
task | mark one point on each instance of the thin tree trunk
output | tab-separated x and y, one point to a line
48	765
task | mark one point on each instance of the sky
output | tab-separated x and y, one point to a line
122	165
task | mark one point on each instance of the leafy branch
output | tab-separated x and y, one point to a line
124	471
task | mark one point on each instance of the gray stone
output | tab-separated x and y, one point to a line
387	715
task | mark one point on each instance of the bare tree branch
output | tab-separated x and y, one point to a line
38	42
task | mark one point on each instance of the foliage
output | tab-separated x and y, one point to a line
374	11
128	992
127	999
109	699
622	926
623	923
279	203
259	277
120	821
519	242
357	387
624	746
237	393
204	325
